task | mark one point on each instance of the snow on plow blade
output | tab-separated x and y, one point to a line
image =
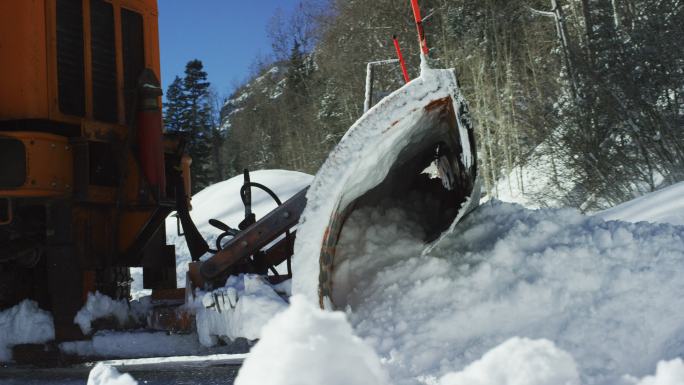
415	144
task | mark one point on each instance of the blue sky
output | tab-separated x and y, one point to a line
226	35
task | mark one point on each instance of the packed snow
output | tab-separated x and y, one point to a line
662	206
135	344
608	293
103	374
519	361
25	323
308	346
239	309
100	306
667	373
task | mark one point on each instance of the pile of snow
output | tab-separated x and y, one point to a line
239	309
222	201
363	159
608	293
662	206
24	323
100	306
103	374
667	373
519	361
135	345
307	346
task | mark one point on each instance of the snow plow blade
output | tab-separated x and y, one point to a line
417	143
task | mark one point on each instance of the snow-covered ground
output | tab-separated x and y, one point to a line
607	293
238	309
539	183
662	206
513	296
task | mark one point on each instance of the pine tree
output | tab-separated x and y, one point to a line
188	109
175	106
298	70
198	118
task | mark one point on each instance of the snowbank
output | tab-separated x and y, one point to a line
363	159
519	361
307	346
103	374
608	293
662	206
99	306
239	309
24	323
667	373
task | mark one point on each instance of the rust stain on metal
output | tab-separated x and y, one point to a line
168	294
438	104
194	275
172	319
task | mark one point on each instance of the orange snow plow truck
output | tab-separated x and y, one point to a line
87	176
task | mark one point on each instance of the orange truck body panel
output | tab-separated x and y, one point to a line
44	149
29	91
23	60
81	168
28	68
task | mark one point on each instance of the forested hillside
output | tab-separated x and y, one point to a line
590	90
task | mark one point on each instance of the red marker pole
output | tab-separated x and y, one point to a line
401	59
419	26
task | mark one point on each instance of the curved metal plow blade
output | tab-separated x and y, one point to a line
417	142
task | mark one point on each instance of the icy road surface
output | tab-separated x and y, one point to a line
156	375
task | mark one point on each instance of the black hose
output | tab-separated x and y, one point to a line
273	195
243	191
